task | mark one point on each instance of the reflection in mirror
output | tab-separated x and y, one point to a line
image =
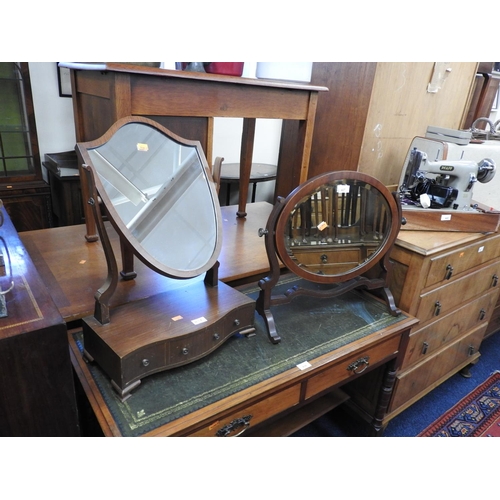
331	232
151	182
158	193
337	228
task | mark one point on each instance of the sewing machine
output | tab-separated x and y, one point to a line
439	186
444	184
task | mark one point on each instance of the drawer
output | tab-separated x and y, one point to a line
190	347
342	371
252	415
422	377
446	266
329	261
427	340
447	297
494	322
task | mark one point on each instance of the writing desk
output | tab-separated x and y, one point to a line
187	103
73	269
250	385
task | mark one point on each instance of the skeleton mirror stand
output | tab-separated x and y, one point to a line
157	191
331	231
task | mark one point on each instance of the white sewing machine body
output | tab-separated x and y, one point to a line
464	192
456	165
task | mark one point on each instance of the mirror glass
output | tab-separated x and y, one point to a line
159	191
334	228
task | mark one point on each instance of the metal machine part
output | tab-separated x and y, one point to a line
447	183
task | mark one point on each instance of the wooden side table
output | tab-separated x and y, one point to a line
187	103
260	172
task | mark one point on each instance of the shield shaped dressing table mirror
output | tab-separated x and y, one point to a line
331	232
157	191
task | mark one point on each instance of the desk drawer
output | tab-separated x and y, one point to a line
341	372
426	374
252	415
461	260
449	327
445	298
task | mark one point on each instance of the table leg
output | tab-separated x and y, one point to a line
247	141
91	229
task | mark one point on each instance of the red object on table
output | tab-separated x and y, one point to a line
225	68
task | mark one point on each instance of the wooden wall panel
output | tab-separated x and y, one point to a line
339	124
401	108
341	114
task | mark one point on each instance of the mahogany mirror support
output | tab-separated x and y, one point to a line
336	231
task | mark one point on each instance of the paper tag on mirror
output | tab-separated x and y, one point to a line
322	225
343	188
142	147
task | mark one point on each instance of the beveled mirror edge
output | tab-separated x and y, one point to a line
309	187
82	151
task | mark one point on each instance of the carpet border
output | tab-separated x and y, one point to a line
452	412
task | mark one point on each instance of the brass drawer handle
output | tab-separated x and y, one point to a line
482	314
355	365
449	272
425	347
494	280
234	425
471	350
324	258
437	308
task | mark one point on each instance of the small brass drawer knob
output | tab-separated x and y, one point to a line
145	362
185	351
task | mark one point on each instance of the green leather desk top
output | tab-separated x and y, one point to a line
308	327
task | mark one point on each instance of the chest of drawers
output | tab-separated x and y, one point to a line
450	282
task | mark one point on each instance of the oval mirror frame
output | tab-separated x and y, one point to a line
203	178
292	204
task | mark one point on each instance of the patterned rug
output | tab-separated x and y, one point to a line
476	415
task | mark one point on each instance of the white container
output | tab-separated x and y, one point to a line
294	71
